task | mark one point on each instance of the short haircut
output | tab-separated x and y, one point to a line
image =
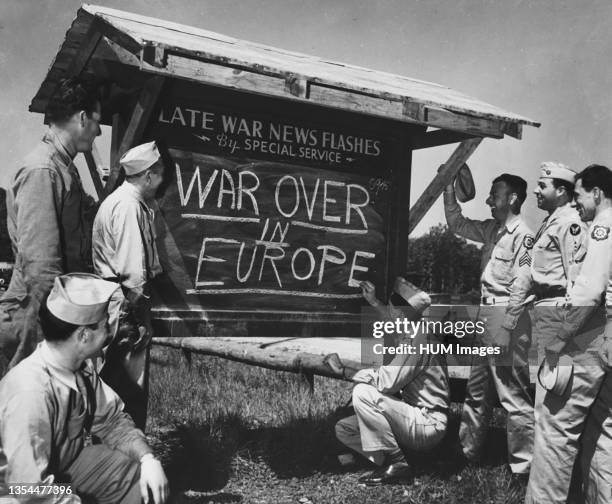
596	176
53	328
71	96
569	187
517	185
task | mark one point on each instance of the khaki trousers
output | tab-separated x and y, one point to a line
561	419
384	424
510	380
101	475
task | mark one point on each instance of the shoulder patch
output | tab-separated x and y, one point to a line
575	229
528	242
600	233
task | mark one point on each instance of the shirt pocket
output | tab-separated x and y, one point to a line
502	265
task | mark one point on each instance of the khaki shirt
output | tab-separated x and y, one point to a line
558	252
421	378
593	286
47	221
42	419
506	249
124	238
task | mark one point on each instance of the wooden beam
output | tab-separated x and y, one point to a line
135	128
305	363
118	130
441	180
86	49
445	119
93	172
437	137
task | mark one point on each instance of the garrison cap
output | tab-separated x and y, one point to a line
80	298
414	296
139	158
551	169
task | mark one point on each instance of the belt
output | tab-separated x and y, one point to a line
493	300
114	279
549	292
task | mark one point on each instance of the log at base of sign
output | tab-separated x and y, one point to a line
330	365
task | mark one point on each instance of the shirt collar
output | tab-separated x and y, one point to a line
604	217
559	211
57	371
133	191
64	153
513	224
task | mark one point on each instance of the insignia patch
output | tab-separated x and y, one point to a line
528	242
600	233
525	260
575	229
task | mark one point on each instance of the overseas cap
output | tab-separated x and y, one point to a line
80	298
139	158
464	184
551	169
414	296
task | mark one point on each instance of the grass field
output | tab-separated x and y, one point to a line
231	433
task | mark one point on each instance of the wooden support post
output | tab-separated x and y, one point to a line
187	355
307	377
135	128
93	161
307	380
441	180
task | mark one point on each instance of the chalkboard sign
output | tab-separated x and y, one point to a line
272	211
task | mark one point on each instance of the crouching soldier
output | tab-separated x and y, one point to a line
384	427
53	404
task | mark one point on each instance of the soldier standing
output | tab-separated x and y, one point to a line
46	215
573	377
124	251
507	249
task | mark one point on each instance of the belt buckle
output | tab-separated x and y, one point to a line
487	300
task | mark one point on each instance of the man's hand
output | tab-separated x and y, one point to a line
153	478
145	333
368	291
364	376
502	339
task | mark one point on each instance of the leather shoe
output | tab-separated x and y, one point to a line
387	474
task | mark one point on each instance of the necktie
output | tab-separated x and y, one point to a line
86	389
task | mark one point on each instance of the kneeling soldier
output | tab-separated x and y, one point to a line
53	403
384	427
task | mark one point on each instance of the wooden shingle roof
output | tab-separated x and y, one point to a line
161	47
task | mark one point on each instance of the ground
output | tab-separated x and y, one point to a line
231	433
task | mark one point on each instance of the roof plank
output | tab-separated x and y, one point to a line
160	46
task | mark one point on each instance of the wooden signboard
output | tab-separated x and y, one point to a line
273	208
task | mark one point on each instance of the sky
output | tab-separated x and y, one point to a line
546	59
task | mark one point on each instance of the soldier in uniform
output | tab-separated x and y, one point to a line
573	374
124	251
47	211
557	256
507	249
384	427
53	404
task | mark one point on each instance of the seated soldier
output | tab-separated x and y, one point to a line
385	428
53	403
